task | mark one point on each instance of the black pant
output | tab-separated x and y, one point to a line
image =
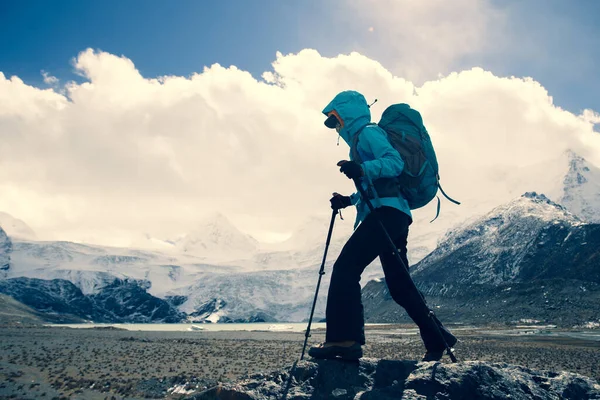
344	314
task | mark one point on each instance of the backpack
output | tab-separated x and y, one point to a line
420	180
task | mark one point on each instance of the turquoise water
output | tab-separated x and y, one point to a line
267	326
591	334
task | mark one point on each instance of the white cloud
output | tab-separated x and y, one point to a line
49	79
421	39
122	153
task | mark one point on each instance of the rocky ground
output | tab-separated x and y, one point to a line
49	363
375	379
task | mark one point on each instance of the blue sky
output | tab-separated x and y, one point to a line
555	42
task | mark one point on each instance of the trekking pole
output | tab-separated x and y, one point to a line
321	273
392	247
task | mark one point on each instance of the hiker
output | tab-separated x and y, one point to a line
378	163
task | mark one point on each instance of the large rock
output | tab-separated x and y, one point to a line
386	379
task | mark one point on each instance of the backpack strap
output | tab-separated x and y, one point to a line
354	149
437	214
371	191
438	199
445	195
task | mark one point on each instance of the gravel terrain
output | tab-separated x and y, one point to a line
55	363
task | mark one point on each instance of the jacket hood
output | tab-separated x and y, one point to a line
353	109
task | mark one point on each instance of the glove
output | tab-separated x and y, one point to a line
352	169
338	201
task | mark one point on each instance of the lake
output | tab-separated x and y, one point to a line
263	326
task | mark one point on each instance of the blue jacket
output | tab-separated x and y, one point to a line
379	158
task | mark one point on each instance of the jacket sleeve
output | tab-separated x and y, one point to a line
386	162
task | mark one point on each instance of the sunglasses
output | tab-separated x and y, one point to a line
333	121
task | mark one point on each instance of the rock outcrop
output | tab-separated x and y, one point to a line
372	379
122	301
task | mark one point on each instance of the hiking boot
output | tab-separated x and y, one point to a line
431	336
433	355
353	352
435	349
448	337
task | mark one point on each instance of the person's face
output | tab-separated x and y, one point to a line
339	125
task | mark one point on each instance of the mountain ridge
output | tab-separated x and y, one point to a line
528	259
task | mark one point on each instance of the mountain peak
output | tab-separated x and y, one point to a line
577	165
502	246
215	218
541	198
536	205
523	217
16	228
581	188
216	236
575	159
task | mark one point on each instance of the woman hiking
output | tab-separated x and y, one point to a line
373	162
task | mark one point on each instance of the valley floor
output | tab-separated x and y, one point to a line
49	363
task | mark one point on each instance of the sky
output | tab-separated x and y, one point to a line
143	116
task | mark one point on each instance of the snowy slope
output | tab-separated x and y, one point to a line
283	287
282	295
568	180
527	259
217	239
581	188
5	253
277	283
92	267
16	228
492	248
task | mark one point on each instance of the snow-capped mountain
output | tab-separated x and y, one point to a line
527	259
269	285
119	301
217	238
581	188
568	180
492	248
16	228
261	295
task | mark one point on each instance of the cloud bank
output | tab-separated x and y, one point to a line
121	153
422	39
